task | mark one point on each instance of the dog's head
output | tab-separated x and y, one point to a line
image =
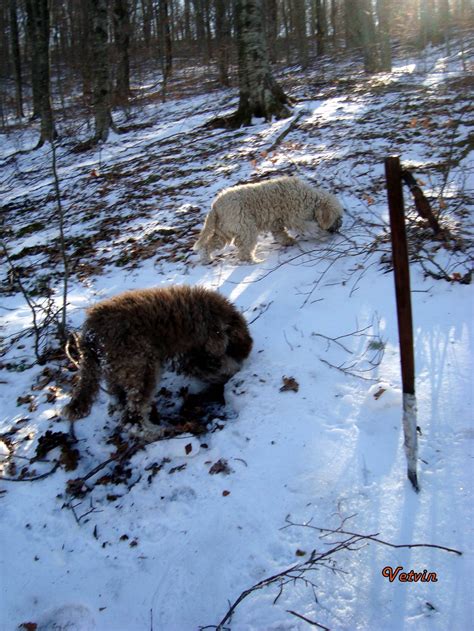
328	212
336	226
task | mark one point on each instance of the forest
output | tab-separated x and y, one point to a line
251	449
64	59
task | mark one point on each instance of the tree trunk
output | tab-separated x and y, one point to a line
201	29
207	29
39	30
147	13
286	24
351	35
34	61
86	56
187	21
299	12
360	31
313	22
260	95
427	22
444	22
100	70
15	46
222	41
165	43
271	28
121	21
383	11
334	26
322	27
368	37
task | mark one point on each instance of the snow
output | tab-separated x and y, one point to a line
170	551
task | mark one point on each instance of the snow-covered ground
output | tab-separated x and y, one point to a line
173	546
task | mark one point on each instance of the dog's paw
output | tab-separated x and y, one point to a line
285	240
249	260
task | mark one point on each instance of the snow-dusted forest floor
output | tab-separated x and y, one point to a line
169	537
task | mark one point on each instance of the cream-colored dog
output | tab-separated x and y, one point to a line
240	213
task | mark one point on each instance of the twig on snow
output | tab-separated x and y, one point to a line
298	571
311	622
373	537
42	476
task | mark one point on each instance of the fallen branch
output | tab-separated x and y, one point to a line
76	485
373	537
311	622
42	476
285	132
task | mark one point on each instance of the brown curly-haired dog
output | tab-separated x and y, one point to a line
127	339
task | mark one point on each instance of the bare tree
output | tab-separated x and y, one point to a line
270	8
15	48
38	18
299	16
31	36
444	21
322	26
260	95
121	22
427	22
223	41
351	39
84	39
165	43
361	33
100	70
383	13
147	19
201	29
187	21
334	22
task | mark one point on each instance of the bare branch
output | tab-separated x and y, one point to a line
311	622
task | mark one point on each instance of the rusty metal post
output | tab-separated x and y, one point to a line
393	174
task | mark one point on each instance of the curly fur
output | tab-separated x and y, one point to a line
240	213
128	338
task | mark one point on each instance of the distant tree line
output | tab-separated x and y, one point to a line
97	49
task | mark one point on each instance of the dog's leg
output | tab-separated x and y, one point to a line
246	247
282	236
137	377
86	389
139	392
118	397
216	242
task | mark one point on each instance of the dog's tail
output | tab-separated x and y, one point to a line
208	230
72	349
85	391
